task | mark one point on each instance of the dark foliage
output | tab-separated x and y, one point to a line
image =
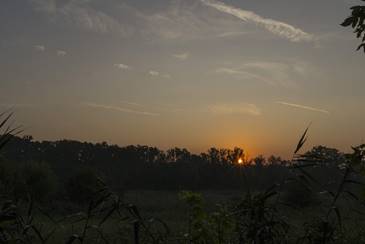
82	186
143	167
356	21
297	194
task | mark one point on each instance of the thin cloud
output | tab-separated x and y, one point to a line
276	27
120	109
243	74
122	66
154	73
82	15
181	56
232	34
39	48
132	103
303	107
236	109
167	76
61	53
272	73
188	20
156	106
16	105
157	73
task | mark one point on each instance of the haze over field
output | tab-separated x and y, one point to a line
188	73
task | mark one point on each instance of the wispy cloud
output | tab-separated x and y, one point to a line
61	53
131	103
157	73
179	19
276	27
181	56
236	109
39	48
188	20
122	66
81	14
240	73
120	109
272	73
232	34
17	105
154	73
169	108
303	107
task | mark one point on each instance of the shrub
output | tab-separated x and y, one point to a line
206	227
258	219
83	185
37	179
297	194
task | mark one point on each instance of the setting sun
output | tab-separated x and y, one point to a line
240	161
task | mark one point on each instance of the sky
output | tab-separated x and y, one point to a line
185	73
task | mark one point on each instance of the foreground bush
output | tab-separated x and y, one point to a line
82	186
298	194
38	180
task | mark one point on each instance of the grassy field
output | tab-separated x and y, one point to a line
167	206
164	205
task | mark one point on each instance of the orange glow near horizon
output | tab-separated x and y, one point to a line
240	161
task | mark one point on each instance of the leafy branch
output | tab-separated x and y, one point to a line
356	21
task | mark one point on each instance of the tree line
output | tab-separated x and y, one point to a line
144	167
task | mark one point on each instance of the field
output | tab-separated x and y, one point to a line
167	206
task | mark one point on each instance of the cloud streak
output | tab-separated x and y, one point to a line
81	14
17	105
303	107
39	48
120	109
181	56
61	53
278	28
155	73
236	109
122	66
272	73
243	74
232	34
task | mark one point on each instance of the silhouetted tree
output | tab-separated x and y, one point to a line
259	161
144	167
324	156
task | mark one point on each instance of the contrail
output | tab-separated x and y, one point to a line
304	107
276	27
119	109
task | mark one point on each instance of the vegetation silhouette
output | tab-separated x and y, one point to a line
356	21
85	203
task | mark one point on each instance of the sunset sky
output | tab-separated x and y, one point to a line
188	73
